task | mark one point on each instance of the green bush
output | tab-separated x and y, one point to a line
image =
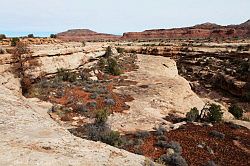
142	134
52	36
236	111
192	115
2	36
1	51
214	113
120	50
30	36
14	41
101	116
108	52
173	160
217	134
101	64
112	138
113	67
65	75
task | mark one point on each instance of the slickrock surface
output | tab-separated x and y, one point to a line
30	137
160	90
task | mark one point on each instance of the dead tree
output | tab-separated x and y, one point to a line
22	60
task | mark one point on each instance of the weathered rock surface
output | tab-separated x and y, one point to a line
30	137
163	92
52	57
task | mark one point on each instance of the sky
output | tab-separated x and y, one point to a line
43	17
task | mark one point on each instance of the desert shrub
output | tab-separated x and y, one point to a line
93	95
14	41
95	132
66	75
243	48
52	36
215	113
101	116
109	102
113	67
244	67
120	50
108	52
72	77
138	150
2	36
173	145
162	138
112	138
83	43
233	125
22	59
1	51
173	160
81	108
139	142
160	130
101	64
211	163
246	97
217	134
30	36
236	111
162	143
92	104
25	84
192	115
142	134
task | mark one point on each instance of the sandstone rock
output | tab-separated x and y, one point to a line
30	137
167	92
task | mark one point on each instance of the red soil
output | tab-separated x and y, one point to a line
226	151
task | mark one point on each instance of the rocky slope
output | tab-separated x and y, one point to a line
206	30
30	137
85	35
159	91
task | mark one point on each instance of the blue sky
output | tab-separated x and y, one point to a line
20	17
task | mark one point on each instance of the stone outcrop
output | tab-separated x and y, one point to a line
159	91
85	35
51	57
206	30
30	137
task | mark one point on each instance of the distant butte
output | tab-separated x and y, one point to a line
85	35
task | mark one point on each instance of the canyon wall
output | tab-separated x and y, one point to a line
206	30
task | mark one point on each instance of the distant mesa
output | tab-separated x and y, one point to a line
206	30
85	35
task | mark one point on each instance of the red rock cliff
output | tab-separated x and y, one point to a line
206	30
